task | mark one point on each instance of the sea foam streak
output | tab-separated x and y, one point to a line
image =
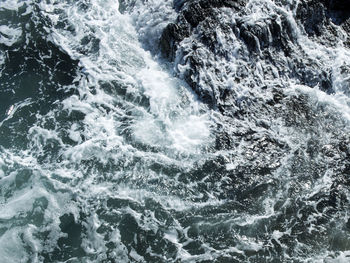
133	115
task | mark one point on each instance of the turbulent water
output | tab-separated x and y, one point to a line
111	151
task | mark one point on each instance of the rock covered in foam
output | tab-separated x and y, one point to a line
239	61
208	32
191	13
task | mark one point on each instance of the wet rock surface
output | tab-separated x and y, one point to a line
256	69
207	31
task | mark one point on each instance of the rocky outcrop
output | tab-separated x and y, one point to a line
206	32
222	47
191	13
240	58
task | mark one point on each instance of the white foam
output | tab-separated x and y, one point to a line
343	257
11	247
9	36
337	102
150	18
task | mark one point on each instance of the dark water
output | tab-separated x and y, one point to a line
106	155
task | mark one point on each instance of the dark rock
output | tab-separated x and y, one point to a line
173	34
313	17
126	5
267	33
346	28
223	141
311	75
278	96
195	13
343	5
265	39
316	16
247	68
191	14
